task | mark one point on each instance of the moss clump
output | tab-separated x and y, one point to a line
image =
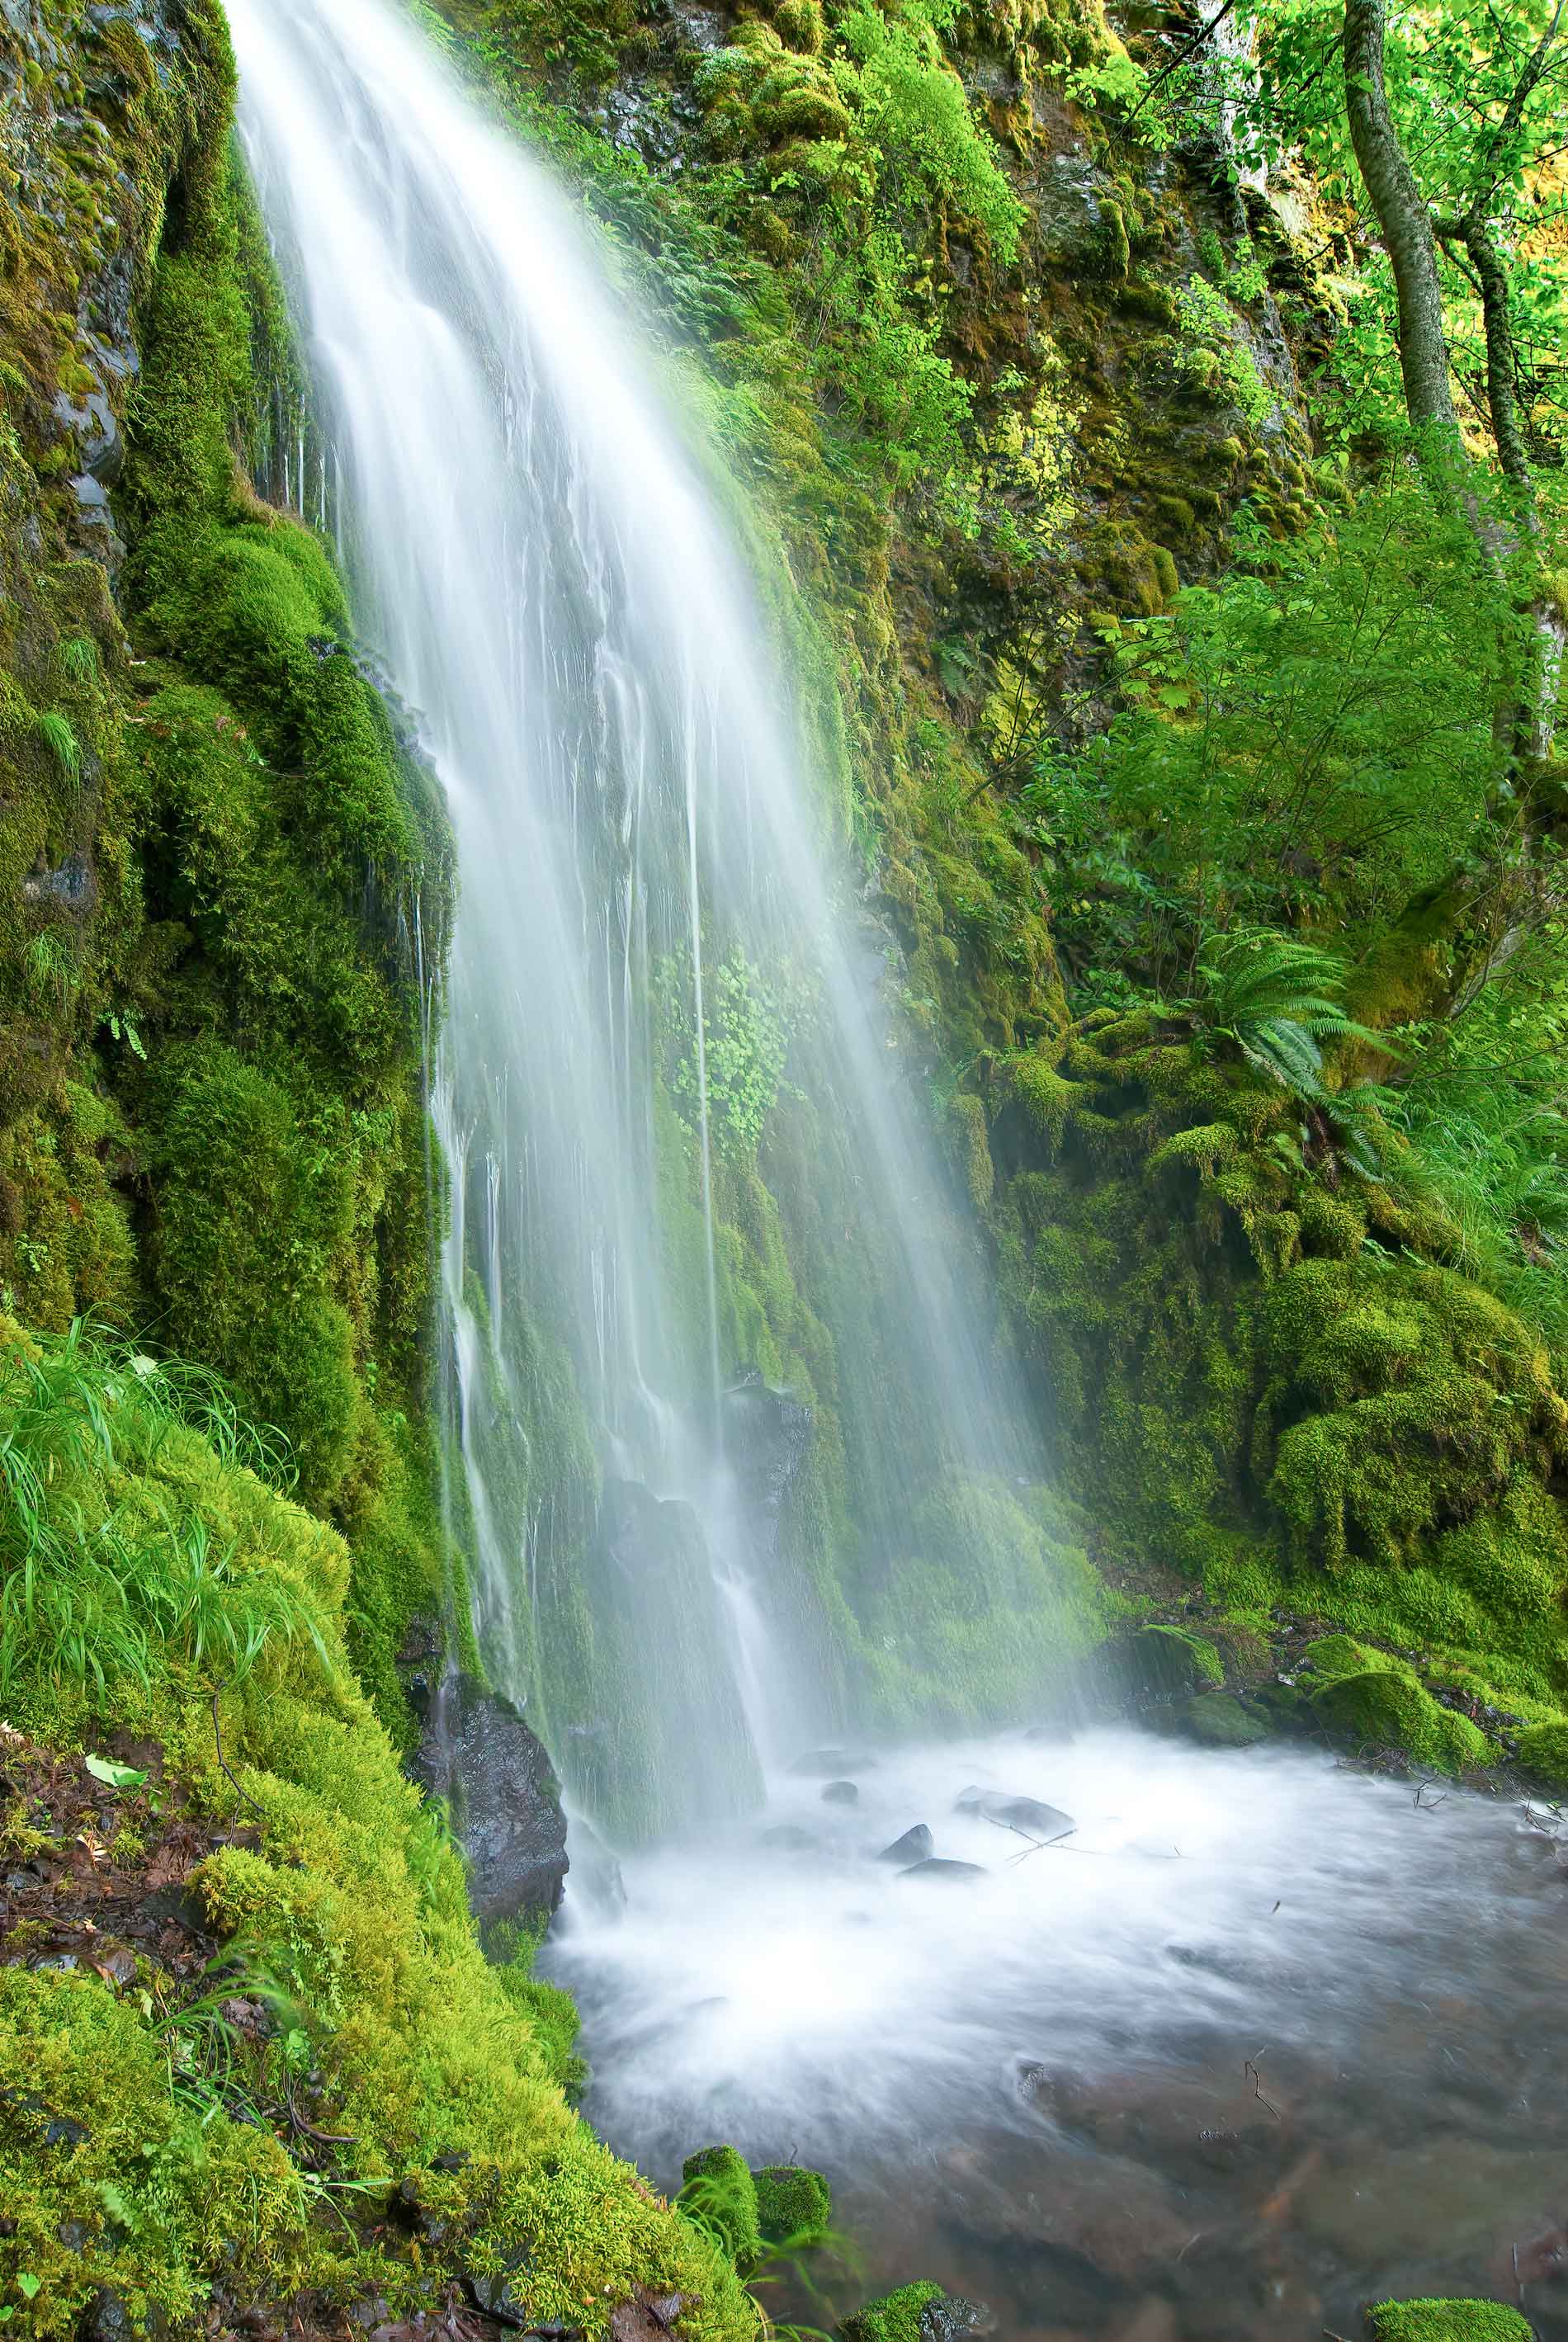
1379	1703
1447	2321
718	2193
793	2206
1544	1751
903	2316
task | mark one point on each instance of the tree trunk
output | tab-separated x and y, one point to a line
1402	219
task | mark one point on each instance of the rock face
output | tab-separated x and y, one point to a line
767	1437
476	1752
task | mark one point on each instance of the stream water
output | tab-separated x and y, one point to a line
1262	2040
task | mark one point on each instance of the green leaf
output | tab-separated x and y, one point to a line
116	1777
28	2282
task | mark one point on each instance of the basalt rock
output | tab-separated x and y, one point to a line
477	1753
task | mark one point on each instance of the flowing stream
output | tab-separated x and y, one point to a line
1259	2036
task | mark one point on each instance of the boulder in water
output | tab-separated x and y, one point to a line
1030	1814
938	1867
788	1836
476	1752
841	1793
970	1800
913	1846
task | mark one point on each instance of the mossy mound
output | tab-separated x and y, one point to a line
1220	1721
793	2206
151	2132
1447	2321
1269	1373
1379	1703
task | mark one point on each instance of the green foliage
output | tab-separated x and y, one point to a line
100	1588
1279	998
1311	738
1212	354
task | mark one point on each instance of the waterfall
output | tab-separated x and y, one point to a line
656	969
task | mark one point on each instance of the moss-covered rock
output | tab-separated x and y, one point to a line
1221	1721
921	2312
794	2205
719	2193
1447	2321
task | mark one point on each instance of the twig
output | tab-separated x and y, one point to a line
1251	2071
223	1765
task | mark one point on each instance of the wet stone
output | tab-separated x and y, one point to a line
841	1793
913	1846
946	1872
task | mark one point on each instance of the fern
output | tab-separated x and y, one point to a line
1278	999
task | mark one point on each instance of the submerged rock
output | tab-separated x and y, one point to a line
913	1846
789	1836
476	1752
939	1868
1220	1721
841	1793
1030	1814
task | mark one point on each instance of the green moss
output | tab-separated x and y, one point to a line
719	2194
1544	1751
1378	1703
352	1899
895	2317
1446	2321
1221	1722
793	2206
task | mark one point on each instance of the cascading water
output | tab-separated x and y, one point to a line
648	966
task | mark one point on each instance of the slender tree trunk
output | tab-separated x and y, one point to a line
1404	221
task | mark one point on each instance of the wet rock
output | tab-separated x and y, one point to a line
476	1752
71	886
789	1837
1030	1814
1220	1721
829	1764
913	1846
767	1438
841	1793
647	2317
916	2313
107	2318
1451	2196
1105	2209
97	435
938	1867
970	1800
493	2295
1051	1735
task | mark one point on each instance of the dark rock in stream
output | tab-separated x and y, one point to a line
841	1793
789	1837
1029	1814
937	1867
476	1752
913	1846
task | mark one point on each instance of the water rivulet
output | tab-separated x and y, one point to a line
723	1414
